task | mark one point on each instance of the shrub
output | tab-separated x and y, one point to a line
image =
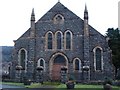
116	83
107	87
107	81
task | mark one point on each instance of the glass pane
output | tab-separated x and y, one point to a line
68	40
59	41
59	59
49	41
76	64
98	59
41	63
22	58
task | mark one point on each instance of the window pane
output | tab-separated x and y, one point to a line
68	40
22	58
59	41
76	64
49	41
59	59
98	59
41	63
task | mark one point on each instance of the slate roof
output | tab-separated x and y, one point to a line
59	8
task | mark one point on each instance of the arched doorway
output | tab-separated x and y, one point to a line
57	61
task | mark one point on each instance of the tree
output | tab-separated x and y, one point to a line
114	44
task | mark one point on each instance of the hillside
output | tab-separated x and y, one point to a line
6	53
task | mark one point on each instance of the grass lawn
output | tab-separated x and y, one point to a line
38	85
87	87
33	85
60	86
12	83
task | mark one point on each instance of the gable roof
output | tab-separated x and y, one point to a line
58	8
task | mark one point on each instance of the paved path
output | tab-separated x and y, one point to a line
12	87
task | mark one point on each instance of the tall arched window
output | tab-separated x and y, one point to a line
98	58
41	62
77	64
49	40
68	40
23	58
59	37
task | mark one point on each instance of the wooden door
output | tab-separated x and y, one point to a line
56	72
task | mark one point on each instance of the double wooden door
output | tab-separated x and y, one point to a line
56	72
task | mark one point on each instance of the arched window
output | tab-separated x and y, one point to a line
23	58
59	40
77	64
41	62
59	59
49	40
98	58
68	40
58	19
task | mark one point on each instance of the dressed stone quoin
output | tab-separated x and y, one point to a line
61	45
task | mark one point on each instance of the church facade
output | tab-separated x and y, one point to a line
61	39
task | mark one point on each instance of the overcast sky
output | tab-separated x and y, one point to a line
15	15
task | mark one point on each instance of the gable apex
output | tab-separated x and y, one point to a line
59	8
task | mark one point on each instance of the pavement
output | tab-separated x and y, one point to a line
29	88
46	87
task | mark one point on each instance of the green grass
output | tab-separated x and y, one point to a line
33	85
13	83
38	85
60	86
51	83
88	87
81	86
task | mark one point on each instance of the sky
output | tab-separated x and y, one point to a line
15	15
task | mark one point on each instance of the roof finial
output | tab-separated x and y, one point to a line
85	12
58	0
32	12
33	15
86	8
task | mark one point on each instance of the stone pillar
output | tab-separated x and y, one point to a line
19	73
86	45
32	23
63	74
31	60
86	74
32	50
40	74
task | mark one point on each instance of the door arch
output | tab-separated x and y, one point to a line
57	61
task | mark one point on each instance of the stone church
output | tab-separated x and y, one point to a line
61	40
